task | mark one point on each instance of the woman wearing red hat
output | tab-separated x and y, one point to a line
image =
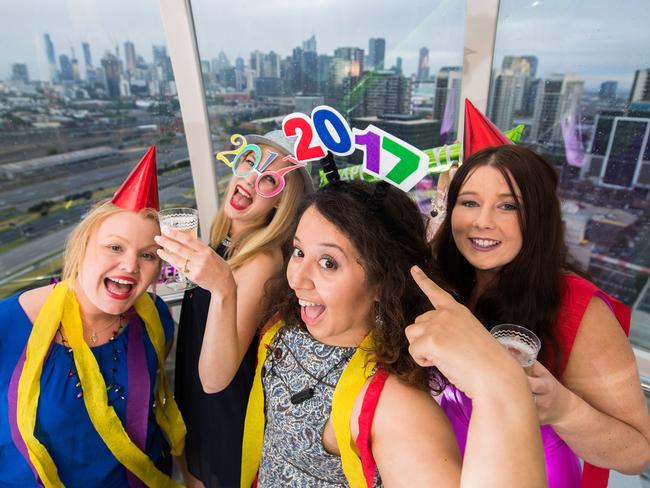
81	362
224	312
501	245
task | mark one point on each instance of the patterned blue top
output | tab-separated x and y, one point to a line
62	423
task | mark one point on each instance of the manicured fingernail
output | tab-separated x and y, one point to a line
156	238
416	269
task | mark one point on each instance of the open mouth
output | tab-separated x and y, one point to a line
119	288
310	312
484	244
241	198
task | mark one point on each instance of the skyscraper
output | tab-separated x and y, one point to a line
51	58
353	56
376	53
558	97
309	45
617	156
66	73
508	91
111	66
240	74
423	64
447	83
513	62
385	93
607	92
19	72
129	55
641	86
88	60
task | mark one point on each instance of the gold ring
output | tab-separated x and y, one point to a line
185	270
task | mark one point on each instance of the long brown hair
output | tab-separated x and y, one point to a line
527	291
390	237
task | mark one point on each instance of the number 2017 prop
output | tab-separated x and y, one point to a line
384	155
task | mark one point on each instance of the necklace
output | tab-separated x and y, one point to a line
93	336
308	392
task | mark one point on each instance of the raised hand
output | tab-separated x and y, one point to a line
198	261
452	339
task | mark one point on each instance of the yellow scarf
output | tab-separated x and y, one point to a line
61	307
354	376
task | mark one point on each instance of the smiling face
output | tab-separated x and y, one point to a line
243	205
485	220
335	300
119	263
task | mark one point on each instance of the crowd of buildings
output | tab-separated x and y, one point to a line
600	141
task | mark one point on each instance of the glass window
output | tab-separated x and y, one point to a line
577	76
85	88
394	65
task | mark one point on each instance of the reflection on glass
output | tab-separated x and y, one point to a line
396	65
577	76
83	92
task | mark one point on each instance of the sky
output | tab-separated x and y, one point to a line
598	40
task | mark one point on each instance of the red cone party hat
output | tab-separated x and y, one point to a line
479	132
140	189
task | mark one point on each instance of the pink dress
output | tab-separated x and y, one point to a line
562	465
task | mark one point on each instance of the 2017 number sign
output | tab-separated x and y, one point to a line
384	155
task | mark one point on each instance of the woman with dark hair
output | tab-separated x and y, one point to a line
501	246
337	398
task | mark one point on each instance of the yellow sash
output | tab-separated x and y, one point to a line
61	307
354	376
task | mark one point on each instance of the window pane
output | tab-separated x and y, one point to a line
392	64
577	76
84	91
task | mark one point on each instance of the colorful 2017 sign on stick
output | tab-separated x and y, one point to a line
384	155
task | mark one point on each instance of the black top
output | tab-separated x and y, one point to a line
215	422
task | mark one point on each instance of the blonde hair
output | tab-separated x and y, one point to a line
77	241
267	236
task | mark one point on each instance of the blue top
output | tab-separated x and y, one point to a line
62	422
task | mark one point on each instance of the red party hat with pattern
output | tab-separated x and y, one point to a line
480	132
140	189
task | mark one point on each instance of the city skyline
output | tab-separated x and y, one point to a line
438	26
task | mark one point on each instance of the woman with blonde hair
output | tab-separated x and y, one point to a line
81	362
246	250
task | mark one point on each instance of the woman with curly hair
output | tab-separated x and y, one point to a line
337	399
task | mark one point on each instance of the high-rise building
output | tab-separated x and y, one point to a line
19	72
557	98
303	76
641	86
240	74
162	64
506	97
322	78
129	55
353	56
51	58
309	45
88	60
385	93
607	92
619	151
447	83
423	64
65	66
74	62
376	53
515	62
508	91
398	65
111	67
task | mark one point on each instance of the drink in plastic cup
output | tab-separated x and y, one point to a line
522	343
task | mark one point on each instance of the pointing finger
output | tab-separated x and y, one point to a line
436	295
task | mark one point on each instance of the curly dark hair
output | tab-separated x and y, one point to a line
388	231
527	290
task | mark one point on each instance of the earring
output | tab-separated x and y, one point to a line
379	322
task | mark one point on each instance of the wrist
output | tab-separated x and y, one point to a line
567	402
